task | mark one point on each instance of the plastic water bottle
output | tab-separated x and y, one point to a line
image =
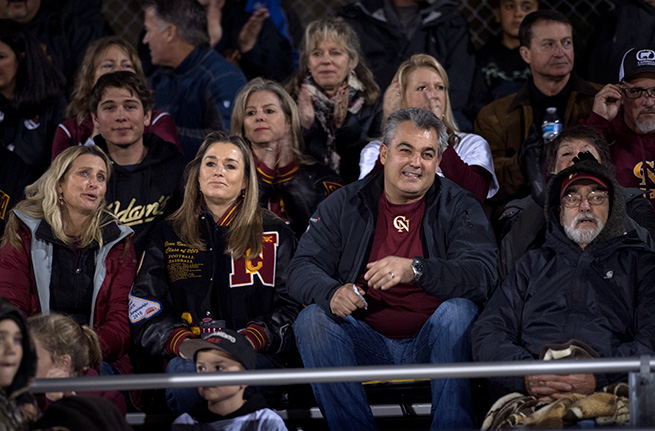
551	126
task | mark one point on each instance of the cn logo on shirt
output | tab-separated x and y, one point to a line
263	266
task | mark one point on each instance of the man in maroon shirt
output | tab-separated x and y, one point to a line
391	268
625	114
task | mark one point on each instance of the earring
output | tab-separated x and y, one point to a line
60	198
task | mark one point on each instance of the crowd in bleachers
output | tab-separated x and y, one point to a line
224	197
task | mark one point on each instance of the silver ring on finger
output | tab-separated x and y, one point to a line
391	274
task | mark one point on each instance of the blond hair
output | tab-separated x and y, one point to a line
246	229
287	104
338	30
85	79
60	335
418	61
42	202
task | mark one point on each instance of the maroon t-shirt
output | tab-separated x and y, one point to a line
401	311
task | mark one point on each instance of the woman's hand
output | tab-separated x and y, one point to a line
391	99
433	105
285	153
305	107
341	106
214	12
251	29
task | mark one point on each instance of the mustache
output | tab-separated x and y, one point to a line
581	217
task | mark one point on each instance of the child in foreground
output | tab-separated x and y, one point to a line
226	409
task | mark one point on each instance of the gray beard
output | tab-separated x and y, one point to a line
583	236
645	126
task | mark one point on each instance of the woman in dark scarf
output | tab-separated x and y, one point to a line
337	96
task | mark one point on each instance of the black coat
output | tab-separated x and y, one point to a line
459	249
176	279
602	295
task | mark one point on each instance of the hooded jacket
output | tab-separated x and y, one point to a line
632	154
459	250
525	226
441	31
601	295
25	281
178	286
14	395
145	194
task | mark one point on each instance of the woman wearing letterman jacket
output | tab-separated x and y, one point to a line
219	261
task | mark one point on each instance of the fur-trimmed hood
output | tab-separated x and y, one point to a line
614	225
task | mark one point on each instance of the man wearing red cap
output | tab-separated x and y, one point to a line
591	284
625	114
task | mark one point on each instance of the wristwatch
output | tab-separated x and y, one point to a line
417	267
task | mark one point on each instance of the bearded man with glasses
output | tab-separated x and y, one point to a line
591	285
625	114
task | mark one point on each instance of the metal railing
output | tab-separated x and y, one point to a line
641	380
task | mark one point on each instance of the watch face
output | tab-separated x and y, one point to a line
417	267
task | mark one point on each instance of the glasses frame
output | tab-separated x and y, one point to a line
650	92
594	197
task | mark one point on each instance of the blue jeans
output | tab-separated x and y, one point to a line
325	340
181	400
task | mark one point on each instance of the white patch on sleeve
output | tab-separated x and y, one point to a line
142	309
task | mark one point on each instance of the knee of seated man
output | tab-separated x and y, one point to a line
457	314
312	321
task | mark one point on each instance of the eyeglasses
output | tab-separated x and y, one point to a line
595	197
636	92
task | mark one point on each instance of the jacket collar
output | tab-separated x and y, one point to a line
578	85
373	187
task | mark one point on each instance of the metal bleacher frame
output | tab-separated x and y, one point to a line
641	380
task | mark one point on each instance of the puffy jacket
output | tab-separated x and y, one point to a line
632	154
459	249
294	191
25	281
178	286
145	194
601	295
442	32
505	122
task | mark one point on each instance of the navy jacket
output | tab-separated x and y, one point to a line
459	248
